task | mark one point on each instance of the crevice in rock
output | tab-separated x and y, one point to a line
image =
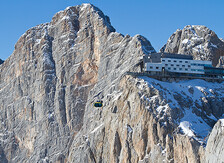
117	147
92	156
3	158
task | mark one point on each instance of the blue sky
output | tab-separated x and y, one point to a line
154	19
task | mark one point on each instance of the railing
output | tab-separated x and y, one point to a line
174	76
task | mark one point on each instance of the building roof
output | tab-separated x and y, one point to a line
156	57
176	56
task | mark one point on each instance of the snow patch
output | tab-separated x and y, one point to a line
84	6
67	8
186	127
222	122
213	45
47	60
129	129
97	128
190	123
50	115
38	41
185	41
66	17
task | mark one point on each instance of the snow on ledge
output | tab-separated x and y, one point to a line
186	127
222	122
97	128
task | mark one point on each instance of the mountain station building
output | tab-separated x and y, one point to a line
179	65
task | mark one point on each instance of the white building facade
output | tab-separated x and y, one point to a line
177	64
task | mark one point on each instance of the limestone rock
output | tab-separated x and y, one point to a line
141	130
214	149
198	41
59	69
221	62
45	84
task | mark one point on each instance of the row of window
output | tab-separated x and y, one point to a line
178	65
181	69
198	64
170	68
178	69
197	70
152	67
175	61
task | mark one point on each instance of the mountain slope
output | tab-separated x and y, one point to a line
214	149
59	69
148	120
198	41
45	83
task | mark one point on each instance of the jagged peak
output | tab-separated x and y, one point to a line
73	11
73	18
196	40
81	10
146	44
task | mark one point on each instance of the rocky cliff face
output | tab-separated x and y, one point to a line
1	61
145	120
45	83
214	150
56	72
198	41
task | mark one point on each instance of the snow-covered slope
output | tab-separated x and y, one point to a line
192	100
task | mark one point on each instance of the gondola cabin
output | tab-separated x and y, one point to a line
98	104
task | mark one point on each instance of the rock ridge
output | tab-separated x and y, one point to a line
198	41
45	84
59	69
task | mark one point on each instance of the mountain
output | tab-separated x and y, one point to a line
198	41
214	149
59	69
1	61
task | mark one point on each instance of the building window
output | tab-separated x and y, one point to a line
171	64
163	60
166	64
183	65
174	61
180	61
185	69
157	67
174	68
178	65
189	66
186	61
180	68
168	68
151	67
169	60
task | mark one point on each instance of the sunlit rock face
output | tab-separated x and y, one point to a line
59	69
214	149
198	41
45	83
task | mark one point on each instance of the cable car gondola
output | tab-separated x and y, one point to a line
98	104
